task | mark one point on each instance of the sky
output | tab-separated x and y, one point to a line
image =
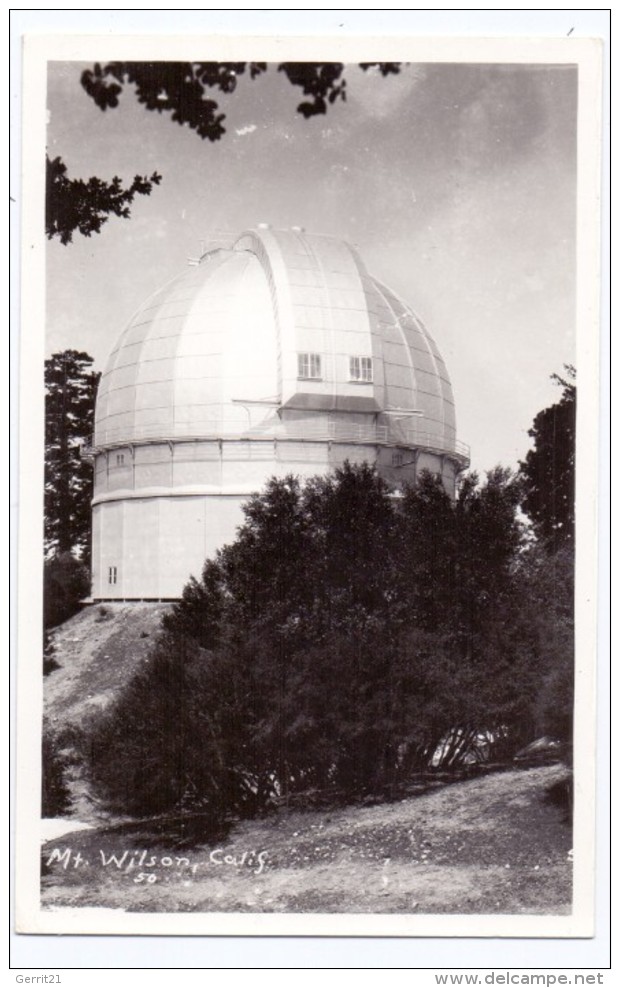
456	182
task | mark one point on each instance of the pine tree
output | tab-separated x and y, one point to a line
548	471
70	389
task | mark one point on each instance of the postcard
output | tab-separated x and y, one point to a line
308	460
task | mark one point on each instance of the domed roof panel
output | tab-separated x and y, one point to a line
433	392
202	354
168	363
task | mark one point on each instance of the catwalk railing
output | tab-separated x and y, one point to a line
395	434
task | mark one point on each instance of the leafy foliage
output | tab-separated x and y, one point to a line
50	664
55	794
548	471
550	577
181	89
66	581
320	80
70	390
177	88
344	640
73	204
548	479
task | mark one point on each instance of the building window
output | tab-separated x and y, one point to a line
111	574
360	369
397	459
309	366
120	459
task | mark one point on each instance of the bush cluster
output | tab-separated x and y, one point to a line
347	638
66	581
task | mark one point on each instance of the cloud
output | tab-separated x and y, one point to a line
378	96
248	129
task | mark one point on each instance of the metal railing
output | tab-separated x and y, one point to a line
400	435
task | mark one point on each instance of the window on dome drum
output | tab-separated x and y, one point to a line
111	574
120	459
397	459
360	369
309	366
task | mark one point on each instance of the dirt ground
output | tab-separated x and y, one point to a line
494	844
97	651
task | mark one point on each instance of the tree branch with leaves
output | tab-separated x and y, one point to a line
183	90
75	204
548	471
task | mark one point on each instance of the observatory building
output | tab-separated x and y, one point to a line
278	354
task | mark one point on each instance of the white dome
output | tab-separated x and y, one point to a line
228	333
277	355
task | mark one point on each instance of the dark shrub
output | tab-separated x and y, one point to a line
338	644
55	795
66	581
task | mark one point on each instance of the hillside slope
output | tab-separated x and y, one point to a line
97	651
489	845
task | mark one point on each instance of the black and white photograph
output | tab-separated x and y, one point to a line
309	544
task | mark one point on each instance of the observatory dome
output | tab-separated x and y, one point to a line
277	354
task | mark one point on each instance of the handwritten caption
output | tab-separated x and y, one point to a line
145	867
